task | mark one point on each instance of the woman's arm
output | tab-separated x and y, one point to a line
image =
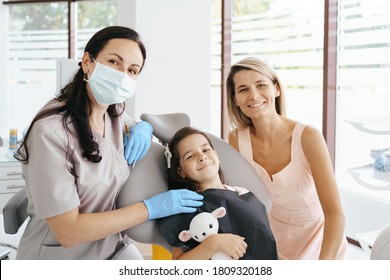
317	153
73	228
231	244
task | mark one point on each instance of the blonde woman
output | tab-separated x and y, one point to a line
293	160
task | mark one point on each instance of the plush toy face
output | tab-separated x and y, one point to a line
203	225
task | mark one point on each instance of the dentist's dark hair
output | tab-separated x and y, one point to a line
75	104
175	181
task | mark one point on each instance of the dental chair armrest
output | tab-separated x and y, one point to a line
15	212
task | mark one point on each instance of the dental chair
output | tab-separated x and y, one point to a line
149	177
381	247
14	215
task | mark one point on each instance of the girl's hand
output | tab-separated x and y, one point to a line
231	244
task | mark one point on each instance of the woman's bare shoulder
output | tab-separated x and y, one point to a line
311	133
313	142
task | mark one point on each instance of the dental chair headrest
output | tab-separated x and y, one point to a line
166	125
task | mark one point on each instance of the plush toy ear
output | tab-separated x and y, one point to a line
219	212
185	235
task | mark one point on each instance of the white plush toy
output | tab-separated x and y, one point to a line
203	225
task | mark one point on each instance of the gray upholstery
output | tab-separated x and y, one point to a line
381	247
15	212
237	170
146	179
166	125
142	184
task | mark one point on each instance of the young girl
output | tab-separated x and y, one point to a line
244	232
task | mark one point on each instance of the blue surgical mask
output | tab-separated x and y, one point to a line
110	86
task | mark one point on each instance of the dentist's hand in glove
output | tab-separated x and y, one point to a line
172	202
137	142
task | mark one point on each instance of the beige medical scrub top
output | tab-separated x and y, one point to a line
53	190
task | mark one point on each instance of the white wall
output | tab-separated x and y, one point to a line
176	77
3	70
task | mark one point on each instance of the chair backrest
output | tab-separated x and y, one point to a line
15	212
149	176
381	247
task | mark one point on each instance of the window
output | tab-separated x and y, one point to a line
363	97
91	17
38	35
289	36
290	39
215	91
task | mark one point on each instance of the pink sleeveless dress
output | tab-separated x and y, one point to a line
296	217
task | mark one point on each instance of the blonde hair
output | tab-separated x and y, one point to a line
236	116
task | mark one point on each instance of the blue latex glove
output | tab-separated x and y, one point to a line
172	202
137	142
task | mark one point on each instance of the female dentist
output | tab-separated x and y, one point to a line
75	162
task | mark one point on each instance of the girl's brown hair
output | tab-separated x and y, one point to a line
175	181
